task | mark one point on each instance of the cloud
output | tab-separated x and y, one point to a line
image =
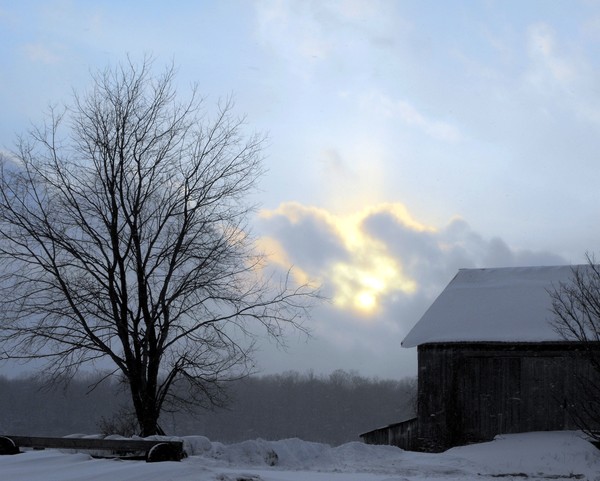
291	32
313	34
335	166
382	252
355	269
548	64
381	268
411	116
557	69
292	224
39	52
432	257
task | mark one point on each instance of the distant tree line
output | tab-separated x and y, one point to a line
332	409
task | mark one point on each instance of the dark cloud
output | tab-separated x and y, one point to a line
432	257
308	238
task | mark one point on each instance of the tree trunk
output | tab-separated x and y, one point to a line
149	423
146	409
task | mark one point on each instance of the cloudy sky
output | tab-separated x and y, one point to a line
407	139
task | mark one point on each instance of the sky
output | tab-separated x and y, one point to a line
407	139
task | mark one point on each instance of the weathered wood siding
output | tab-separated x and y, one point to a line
403	435
471	392
377	436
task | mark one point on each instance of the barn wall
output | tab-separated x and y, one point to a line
402	435
471	392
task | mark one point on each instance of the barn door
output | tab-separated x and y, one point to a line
489	396
544	396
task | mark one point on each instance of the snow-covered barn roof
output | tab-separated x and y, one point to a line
492	305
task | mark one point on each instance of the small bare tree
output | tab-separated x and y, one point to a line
576	317
125	238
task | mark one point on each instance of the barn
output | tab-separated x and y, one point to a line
490	362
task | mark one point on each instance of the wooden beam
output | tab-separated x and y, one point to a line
117	445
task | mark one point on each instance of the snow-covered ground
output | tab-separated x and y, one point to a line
530	456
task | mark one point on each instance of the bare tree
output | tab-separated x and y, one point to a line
123	236
576	317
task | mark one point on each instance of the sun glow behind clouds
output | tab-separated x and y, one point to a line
358	271
369	274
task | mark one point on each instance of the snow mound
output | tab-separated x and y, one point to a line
535	455
541	454
196	445
288	453
297	454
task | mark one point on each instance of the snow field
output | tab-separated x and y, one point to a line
528	456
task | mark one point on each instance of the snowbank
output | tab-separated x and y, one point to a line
545	454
